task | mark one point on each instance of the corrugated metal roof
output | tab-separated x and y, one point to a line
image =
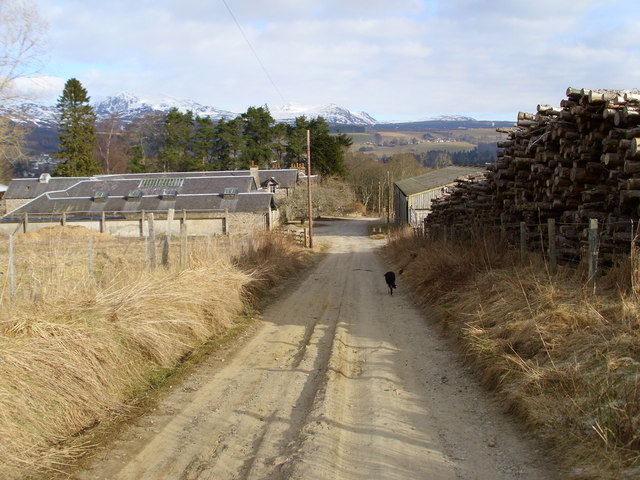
434	179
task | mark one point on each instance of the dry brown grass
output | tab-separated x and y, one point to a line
565	360
74	350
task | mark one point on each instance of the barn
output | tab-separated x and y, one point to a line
207	202
413	196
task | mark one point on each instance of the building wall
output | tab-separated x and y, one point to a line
10	204
400	206
247	222
414	208
234	223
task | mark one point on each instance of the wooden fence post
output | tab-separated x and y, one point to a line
183	243
91	254
553	256
142	224
25	225
593	252
170	215
523	241
165	252
152	242
12	269
103	223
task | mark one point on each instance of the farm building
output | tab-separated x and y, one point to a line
207	202
280	182
413	196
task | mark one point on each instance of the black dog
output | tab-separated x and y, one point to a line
390	278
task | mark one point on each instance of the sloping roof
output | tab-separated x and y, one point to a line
25	188
255	202
208	173
285	178
434	179
190	185
32	187
135	192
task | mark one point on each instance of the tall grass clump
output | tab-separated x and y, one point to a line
564	359
76	350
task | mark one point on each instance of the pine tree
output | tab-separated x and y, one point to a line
297	136
228	144
136	162
203	142
77	137
258	133
177	155
327	150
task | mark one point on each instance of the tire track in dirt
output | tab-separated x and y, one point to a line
340	381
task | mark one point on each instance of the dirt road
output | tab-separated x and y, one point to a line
339	381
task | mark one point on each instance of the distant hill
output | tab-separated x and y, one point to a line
127	106
440	123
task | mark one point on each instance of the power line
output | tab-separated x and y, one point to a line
246	39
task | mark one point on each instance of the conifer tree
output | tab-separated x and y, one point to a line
258	133
177	155
77	125
228	144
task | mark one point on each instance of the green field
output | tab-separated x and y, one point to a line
406	141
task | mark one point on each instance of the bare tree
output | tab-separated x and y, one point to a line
365	173
21	39
12	137
21	42
110	145
148	134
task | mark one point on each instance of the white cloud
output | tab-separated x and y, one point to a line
407	57
42	88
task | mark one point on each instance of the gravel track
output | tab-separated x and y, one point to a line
338	380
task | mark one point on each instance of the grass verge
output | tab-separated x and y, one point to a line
564	359
77	350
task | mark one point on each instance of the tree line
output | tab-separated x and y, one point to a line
182	141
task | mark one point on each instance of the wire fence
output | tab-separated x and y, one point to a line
35	264
597	243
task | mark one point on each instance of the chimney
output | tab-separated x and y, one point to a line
253	170
44	178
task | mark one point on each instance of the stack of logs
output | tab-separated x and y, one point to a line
570	163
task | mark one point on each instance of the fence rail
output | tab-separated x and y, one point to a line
300	237
131	223
560	243
33	264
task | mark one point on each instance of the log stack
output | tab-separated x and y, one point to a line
574	162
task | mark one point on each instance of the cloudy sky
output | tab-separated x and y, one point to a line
394	59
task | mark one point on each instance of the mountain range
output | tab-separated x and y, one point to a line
43	136
128	106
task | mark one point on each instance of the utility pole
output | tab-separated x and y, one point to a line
389	199
309	205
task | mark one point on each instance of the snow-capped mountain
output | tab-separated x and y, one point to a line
31	113
439	118
129	106
332	113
